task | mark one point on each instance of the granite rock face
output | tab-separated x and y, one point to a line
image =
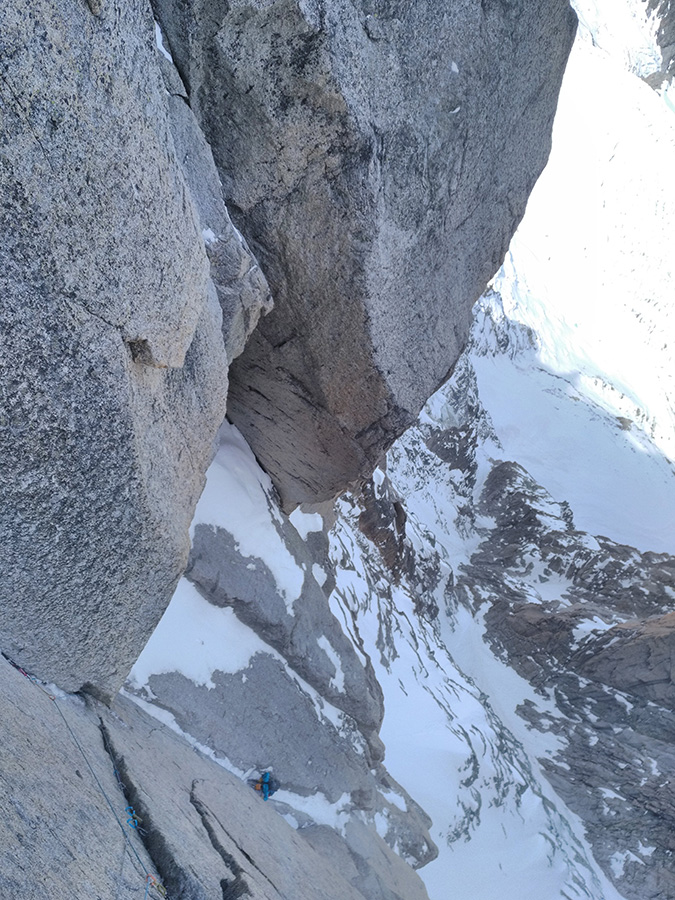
303	700
225	578
113	374
202	833
378	157
262	716
253	661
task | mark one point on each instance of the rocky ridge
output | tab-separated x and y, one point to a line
585	620
598	638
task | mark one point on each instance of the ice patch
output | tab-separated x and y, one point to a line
381	822
304	523
654	766
160	43
378	478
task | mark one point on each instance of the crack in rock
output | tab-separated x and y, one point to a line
177	881
237	887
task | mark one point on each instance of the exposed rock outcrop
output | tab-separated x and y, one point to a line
636	657
590	621
113	375
201	832
378	157
665	14
226	578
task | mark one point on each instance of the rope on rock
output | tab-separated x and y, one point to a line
133	820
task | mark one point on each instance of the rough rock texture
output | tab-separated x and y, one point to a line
273	678
262	716
360	860
205	835
382	520
378	157
113	372
241	287
636	657
306	704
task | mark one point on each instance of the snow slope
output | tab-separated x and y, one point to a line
590	414
453	737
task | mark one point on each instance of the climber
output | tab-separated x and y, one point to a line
266	785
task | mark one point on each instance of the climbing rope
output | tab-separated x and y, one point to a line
132	820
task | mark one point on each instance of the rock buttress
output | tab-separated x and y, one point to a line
378	157
113	370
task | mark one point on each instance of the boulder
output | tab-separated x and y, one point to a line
378	157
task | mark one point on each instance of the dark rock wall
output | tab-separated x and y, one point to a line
602	647
378	157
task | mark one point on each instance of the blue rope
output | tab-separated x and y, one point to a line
100	786
133	820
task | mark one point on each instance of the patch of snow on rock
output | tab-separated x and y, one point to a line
237	498
338	681
304	523
195	638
